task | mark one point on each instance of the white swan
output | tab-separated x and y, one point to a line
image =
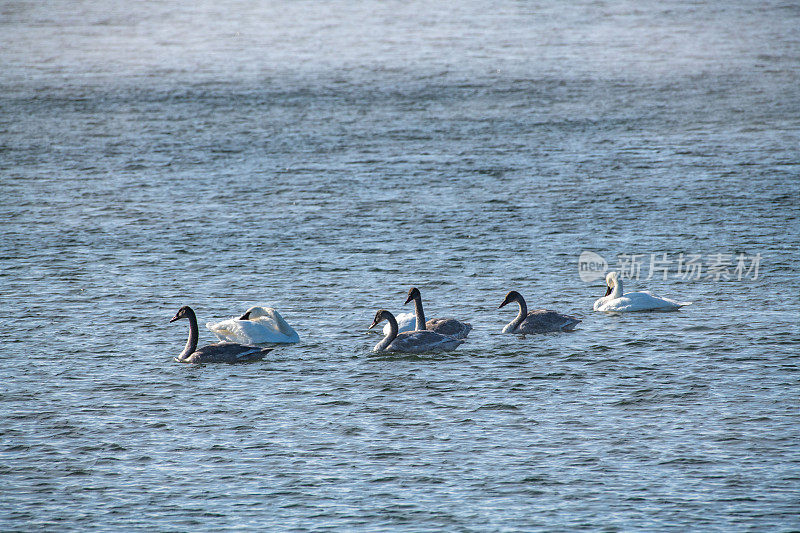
538	321
445	326
405	322
615	301
257	326
223	352
411	341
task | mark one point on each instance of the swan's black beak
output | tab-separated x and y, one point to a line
176	317
505	302
608	291
374	323
413	292
245	316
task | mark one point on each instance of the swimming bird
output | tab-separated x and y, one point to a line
445	326
615	301
411	341
258	325
223	352
538	321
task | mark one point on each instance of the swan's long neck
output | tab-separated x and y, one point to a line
419	313
387	340
523	312
194	334
617	291
283	326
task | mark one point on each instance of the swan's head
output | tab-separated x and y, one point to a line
612	280
380	316
183	312
413	294
512	296
257	312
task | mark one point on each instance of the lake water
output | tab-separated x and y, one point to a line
322	158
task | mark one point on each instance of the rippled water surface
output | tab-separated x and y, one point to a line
323	157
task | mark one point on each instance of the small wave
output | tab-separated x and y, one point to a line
699	328
497	407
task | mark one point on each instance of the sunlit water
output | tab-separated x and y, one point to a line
323	158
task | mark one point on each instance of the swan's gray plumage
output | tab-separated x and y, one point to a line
226	352
222	352
444	326
449	326
411	341
544	320
538	321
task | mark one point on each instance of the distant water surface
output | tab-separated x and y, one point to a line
323	157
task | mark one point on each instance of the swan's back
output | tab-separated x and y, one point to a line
226	352
449	327
640	301
422	341
544	320
265	325
235	330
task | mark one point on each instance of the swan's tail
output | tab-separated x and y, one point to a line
253	355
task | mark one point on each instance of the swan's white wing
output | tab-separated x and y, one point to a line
277	330
259	331
229	330
600	302
405	322
659	300
639	301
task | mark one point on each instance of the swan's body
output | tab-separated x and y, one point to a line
444	326
538	321
411	341
405	322
223	352
615	301
257	326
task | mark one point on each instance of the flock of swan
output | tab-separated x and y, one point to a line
406	333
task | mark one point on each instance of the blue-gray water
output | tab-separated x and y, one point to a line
323	157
